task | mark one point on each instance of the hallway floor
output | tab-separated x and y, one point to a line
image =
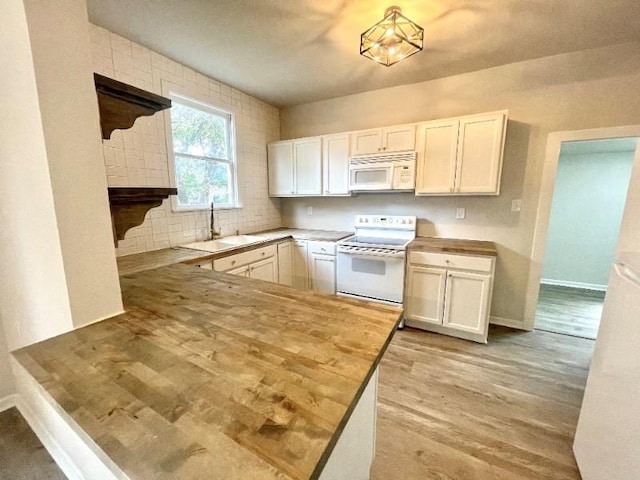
22	456
569	311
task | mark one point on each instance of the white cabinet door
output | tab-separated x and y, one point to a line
240	271
366	141
425	294
398	138
322	273
480	149
285	263
335	165
208	265
437	155
300	267
307	155
280	166
266	270
467	301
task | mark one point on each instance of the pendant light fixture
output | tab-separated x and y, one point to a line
392	39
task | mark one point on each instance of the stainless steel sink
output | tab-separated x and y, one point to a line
225	243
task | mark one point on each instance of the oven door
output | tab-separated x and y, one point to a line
373	176
372	276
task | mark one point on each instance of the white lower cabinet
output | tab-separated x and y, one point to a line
450	294
285	263
322	273
266	270
300	267
299	263
321	259
260	263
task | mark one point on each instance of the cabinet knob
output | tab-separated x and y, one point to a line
264	253
233	262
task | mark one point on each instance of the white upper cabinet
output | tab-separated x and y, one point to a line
295	167
461	156
480	147
396	138
335	164
307	160
437	155
280	166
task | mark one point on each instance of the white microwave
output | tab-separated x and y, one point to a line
391	171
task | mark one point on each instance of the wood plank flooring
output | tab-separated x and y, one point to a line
455	410
569	311
22	456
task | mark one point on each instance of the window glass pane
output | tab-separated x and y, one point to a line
197	132
201	180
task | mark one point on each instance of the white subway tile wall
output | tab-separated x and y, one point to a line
138	156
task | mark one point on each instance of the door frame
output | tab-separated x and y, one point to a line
545	197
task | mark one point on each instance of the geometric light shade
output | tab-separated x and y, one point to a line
392	39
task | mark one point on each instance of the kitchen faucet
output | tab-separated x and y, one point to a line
212	228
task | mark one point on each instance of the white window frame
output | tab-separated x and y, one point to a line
197	102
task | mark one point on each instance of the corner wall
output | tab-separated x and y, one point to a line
138	156
59	33
580	90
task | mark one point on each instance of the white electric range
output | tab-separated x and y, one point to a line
371	263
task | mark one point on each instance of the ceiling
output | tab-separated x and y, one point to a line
288	52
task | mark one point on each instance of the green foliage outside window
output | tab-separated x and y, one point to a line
202	157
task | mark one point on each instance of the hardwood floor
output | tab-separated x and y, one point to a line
455	410
569	311
22	456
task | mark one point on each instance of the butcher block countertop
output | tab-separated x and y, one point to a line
217	376
139	262
453	245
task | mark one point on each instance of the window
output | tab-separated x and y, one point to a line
203	155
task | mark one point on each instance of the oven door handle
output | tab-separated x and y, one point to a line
393	256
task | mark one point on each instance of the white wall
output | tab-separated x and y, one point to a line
138	156
7	385
34	300
59	33
574	91
586	212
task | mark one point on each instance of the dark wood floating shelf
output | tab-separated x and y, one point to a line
129	205
121	104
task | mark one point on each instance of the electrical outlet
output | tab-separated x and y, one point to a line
461	213
516	205
309	210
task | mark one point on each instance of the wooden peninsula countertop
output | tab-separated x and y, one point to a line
453	245
209	372
139	262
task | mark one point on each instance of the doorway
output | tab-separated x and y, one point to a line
589	195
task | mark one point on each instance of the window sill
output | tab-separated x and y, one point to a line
205	209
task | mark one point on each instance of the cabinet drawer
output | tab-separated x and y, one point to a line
323	248
446	260
234	261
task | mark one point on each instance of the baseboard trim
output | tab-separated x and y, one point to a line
569	284
7	402
507	322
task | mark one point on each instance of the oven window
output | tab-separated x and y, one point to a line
373	267
371	177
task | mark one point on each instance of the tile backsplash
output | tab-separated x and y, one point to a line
138	156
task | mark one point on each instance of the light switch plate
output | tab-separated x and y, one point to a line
309	210
461	213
